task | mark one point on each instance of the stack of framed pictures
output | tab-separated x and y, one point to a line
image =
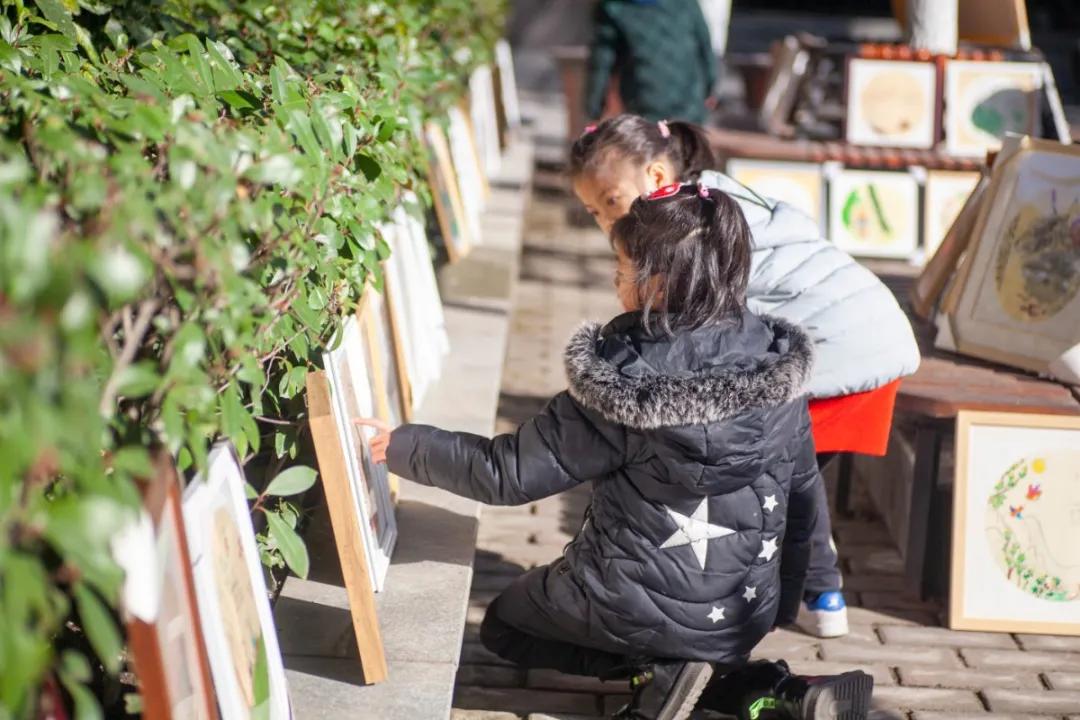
1016	517
1015	296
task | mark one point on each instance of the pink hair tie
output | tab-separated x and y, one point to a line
589	129
665	131
703	191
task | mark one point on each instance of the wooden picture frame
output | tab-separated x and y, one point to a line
801	185
352	396
874	213
445	192
790	64
348	533
167	645
892	103
1016	299
241	639
941	266
1016	516
985	100
945	194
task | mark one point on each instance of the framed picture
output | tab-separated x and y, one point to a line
943	263
472	184
1016	519
798	184
449	209
944	196
892	103
1017	300
874	213
350	535
485	119
414	252
241	639
165	632
986	100
507	85
349	374
790	63
392	392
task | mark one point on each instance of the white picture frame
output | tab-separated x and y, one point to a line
874	213
986	100
471	183
504	59
1016	517
801	185
349	375
230	589
485	118
944	196
891	103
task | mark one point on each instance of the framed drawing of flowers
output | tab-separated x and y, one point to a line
1016	520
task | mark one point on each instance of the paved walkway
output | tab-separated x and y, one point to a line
922	671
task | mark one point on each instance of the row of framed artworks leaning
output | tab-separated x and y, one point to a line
965	105
867	213
199	621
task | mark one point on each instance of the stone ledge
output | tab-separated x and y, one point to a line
422	612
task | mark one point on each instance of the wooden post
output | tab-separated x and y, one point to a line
348	534
932	25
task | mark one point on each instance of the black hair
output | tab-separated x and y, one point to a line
634	138
697	242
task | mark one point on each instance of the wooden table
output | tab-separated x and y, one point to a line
931	398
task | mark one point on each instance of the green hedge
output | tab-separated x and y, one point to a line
189	192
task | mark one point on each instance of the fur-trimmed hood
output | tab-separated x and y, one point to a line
648	381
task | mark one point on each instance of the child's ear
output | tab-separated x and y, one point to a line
660	173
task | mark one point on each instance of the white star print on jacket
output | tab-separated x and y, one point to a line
768	549
695	531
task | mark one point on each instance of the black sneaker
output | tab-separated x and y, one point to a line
769	690
666	691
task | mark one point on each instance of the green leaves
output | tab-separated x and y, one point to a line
289	543
226	166
293	481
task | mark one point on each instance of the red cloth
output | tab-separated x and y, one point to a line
858	423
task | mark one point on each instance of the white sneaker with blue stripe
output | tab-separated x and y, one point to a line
825	616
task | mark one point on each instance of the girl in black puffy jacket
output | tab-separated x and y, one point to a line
686	414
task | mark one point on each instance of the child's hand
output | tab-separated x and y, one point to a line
381	441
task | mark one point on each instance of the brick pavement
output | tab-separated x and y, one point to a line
922	671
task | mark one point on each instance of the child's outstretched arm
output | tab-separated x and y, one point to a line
801	519
559	448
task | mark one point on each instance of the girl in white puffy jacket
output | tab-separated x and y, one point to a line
863	342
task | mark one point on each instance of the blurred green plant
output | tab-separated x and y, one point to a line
189	199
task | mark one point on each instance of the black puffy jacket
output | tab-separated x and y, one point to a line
699	450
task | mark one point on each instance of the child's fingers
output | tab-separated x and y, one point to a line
373	422
379	445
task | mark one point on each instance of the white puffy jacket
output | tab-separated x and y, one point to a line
862	339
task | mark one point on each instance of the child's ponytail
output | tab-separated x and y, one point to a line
689	150
630	137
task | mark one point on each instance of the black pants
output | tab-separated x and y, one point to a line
823	574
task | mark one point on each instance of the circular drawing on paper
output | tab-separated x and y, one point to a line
893	103
1037	268
1032	518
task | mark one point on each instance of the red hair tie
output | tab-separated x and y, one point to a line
664	192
